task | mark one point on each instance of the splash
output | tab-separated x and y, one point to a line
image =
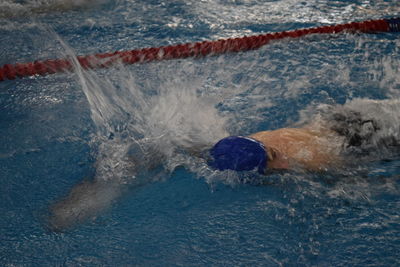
148	123
168	118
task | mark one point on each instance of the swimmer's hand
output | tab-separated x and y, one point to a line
83	202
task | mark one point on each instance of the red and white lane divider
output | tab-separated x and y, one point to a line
198	49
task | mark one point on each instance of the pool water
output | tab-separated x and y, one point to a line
82	128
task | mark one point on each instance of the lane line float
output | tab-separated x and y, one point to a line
197	49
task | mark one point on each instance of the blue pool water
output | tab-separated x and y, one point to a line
78	128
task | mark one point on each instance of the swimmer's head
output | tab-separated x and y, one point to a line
239	154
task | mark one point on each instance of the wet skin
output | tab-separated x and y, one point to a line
291	148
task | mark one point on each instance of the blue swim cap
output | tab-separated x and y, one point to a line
239	154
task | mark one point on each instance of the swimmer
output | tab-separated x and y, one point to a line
335	134
353	129
287	148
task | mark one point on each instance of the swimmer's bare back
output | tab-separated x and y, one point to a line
292	148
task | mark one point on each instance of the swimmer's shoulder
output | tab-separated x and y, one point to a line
287	133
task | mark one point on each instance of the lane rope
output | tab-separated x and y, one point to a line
197	49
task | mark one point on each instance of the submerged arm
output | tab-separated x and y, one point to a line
91	197
84	201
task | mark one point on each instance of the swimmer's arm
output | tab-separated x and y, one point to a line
92	196
85	200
